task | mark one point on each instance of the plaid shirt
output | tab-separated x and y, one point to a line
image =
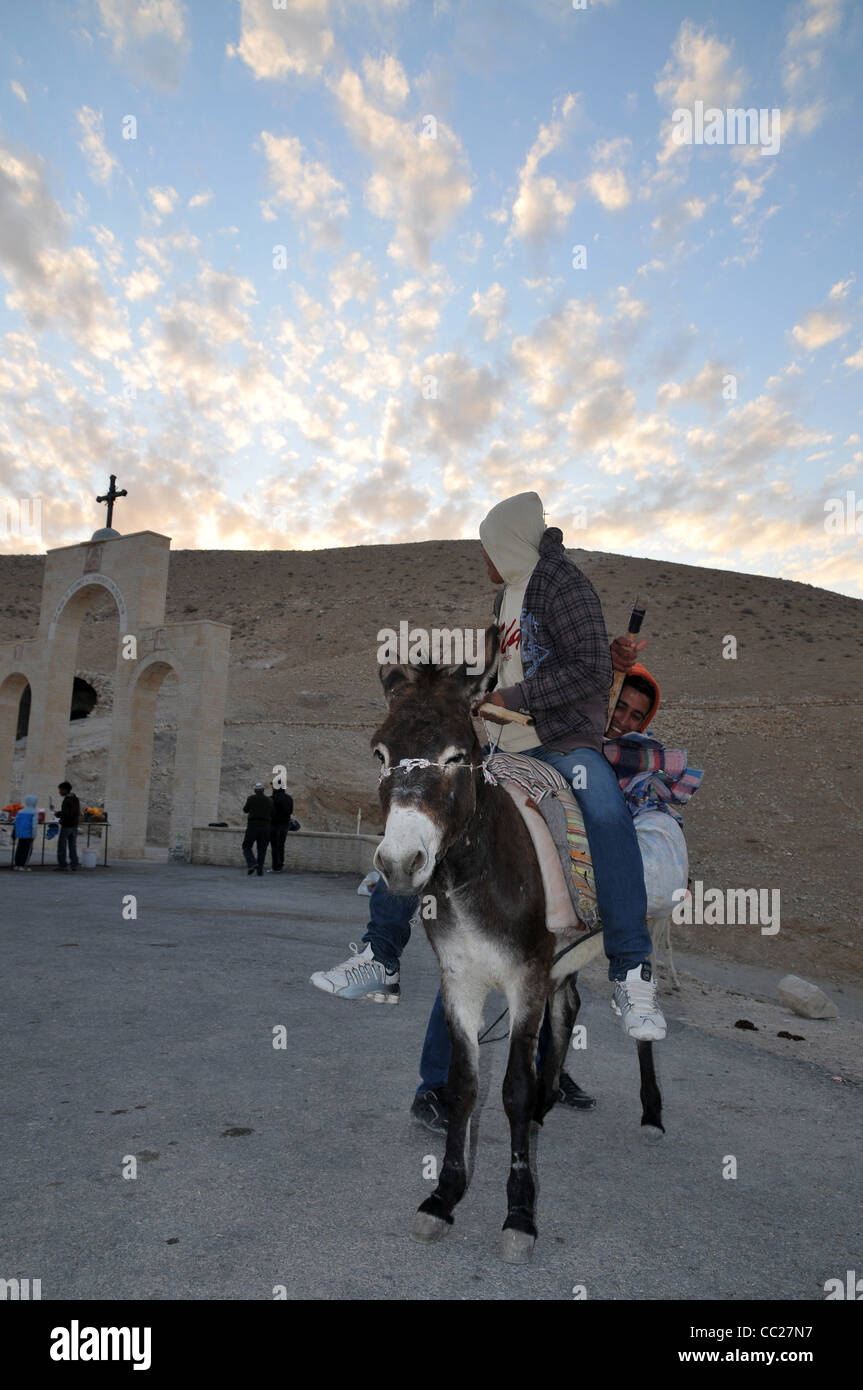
564	653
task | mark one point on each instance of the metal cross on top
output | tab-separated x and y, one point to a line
111	496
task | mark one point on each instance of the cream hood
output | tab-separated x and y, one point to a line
511	533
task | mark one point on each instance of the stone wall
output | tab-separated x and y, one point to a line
306	851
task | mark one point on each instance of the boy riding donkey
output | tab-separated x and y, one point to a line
556	665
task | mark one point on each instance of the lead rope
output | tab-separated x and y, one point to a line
562	952
494	747
488	738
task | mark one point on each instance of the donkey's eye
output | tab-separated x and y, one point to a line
379	755
456	758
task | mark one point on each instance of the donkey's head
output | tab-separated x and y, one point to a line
429	802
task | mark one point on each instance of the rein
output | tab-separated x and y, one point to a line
483	1037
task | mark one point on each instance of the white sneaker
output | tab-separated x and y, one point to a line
635	1000
360	977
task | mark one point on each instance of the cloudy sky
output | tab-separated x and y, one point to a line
327	272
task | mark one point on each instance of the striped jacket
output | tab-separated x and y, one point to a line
564	653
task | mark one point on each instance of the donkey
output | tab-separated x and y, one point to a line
455	837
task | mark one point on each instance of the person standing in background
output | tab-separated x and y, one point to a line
259	810
283	809
25	829
69	816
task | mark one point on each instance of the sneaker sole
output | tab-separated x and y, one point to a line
375	996
649	1032
383	996
577	1103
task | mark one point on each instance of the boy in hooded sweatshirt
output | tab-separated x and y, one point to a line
26	830
555	665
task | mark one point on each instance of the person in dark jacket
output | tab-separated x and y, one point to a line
259	810
283	809
69	816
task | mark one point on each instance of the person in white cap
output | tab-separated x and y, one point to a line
556	665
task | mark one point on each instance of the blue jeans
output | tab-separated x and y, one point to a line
389	929
617	866
435	1059
67	839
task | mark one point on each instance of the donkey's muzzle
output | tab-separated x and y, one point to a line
407	854
404	875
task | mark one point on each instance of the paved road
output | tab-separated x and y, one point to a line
153	1037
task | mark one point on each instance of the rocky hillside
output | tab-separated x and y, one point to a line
776	730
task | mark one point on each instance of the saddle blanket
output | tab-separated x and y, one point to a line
536	786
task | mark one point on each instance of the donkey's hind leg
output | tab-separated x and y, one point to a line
563	1006
463	1007
526	1005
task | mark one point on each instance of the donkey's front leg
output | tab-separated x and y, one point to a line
463	1009
652	1128
563	1007
519	1099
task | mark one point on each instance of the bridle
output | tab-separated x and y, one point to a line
410	764
417	764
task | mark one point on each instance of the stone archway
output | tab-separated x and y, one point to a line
134	570
12	687
52	690
138	760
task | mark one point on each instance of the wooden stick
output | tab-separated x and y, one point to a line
636	618
501	715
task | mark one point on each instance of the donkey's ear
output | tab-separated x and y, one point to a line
476	684
395	679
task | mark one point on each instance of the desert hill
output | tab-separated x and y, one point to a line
777	730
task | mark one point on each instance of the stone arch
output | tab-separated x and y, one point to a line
154	668
76	600
146	682
51	697
12	687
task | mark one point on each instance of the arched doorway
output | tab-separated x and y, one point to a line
163	761
12	694
93	619
150	765
85	628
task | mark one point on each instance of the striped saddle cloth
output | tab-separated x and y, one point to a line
559	809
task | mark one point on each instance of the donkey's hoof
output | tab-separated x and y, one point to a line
516	1247
651	1134
428	1228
